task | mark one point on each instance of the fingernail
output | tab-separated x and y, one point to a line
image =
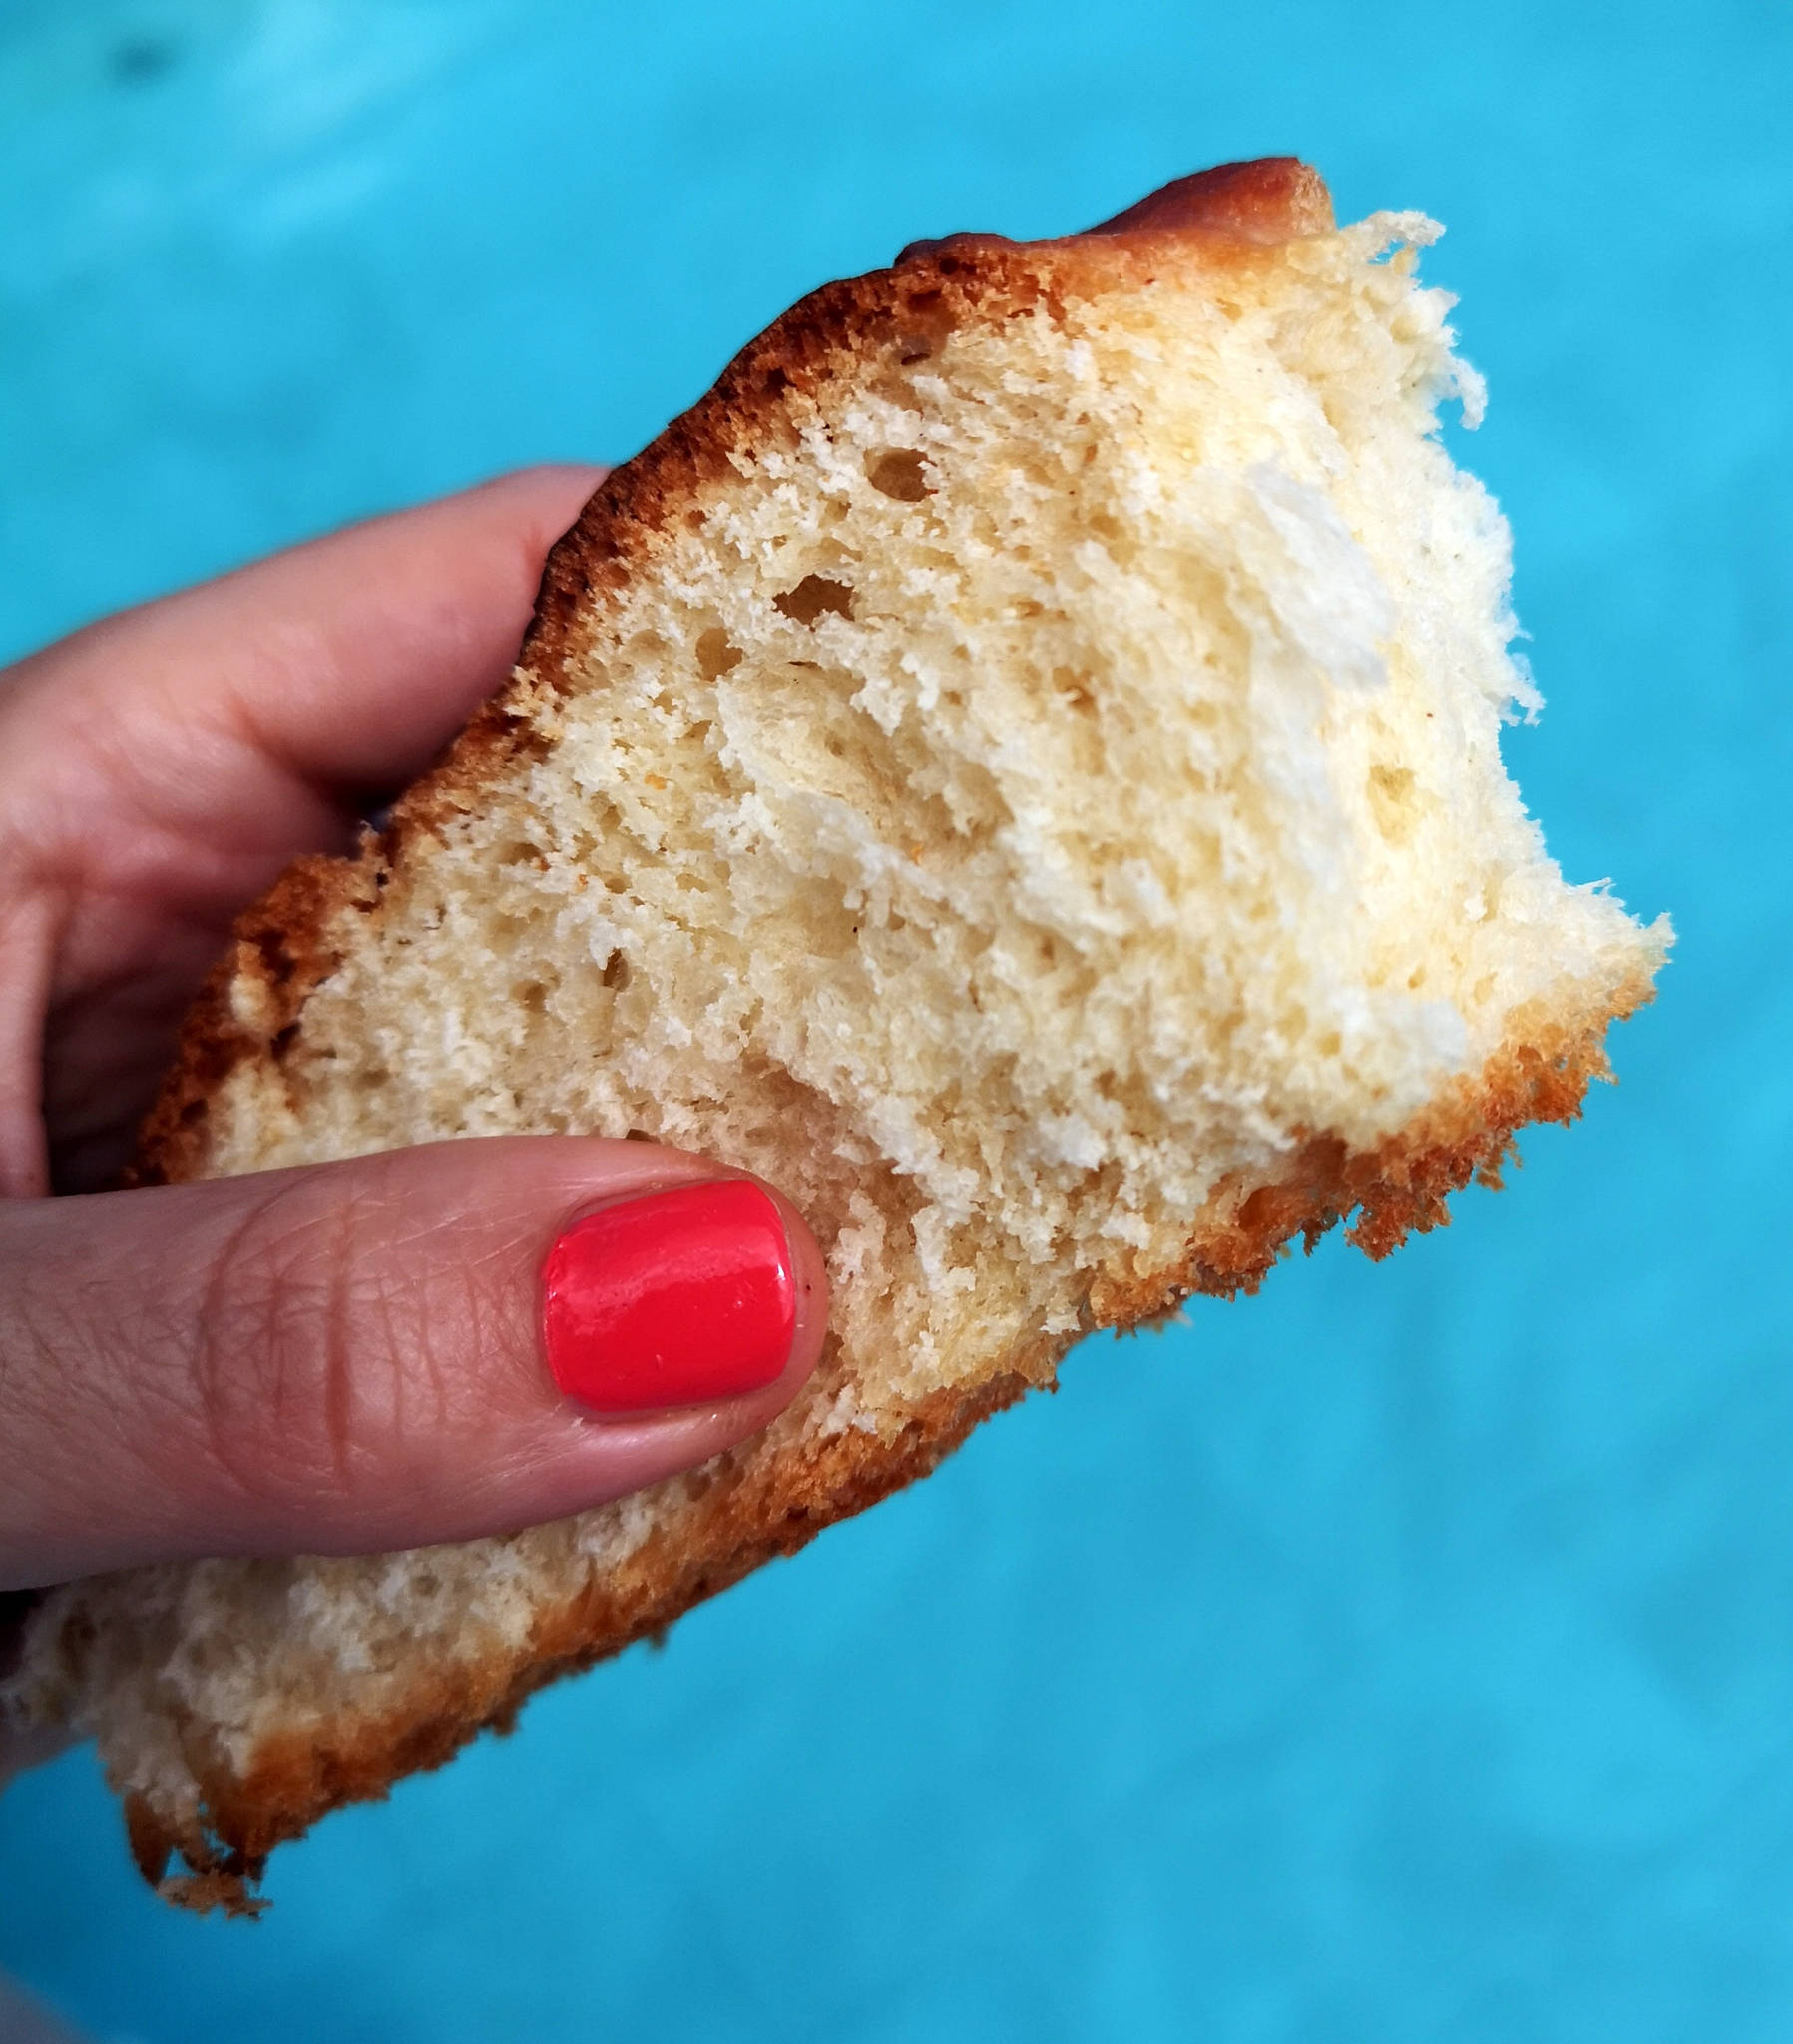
672	1298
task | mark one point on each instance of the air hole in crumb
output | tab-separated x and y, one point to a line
1390	791
925	331
898	472
637	1135
717	653
814	595
1075	689
927	327
616	971
531	996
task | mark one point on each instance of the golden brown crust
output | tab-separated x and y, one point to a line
280	950
252	1005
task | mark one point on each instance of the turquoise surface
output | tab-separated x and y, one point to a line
1405	1654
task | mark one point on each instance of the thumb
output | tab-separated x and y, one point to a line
424	1345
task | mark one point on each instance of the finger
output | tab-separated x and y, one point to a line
356	1357
162	768
181	754
347	661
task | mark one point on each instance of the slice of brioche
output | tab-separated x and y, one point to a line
1018	766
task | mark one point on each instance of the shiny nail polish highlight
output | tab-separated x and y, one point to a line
672	1298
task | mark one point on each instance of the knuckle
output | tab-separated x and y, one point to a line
315	1358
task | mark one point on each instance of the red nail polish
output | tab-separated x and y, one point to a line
672	1298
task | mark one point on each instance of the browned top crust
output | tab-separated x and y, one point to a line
1231	217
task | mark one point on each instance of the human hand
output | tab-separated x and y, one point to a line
348	1358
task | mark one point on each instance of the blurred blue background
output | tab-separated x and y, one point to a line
1405	1654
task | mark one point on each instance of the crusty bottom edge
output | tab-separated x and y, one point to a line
1399	1187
